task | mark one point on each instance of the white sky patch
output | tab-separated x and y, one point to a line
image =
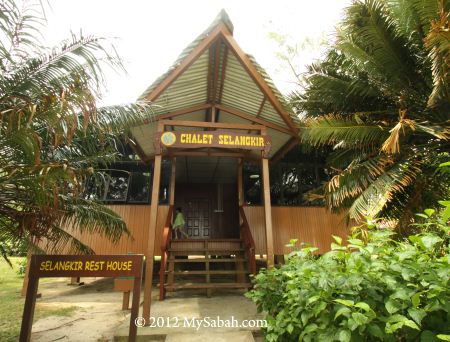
151	34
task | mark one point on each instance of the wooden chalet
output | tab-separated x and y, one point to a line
216	110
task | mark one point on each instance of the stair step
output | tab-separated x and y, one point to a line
203	240
207	260
211	251
189	272
207	286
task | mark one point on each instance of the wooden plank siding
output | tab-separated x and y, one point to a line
137	218
313	225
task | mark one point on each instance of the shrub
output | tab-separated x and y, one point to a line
373	288
22	267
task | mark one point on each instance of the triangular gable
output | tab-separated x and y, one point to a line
222	28
213	79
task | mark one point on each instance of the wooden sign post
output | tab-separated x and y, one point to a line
46	266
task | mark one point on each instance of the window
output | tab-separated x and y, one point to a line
127	183
252	184
293	180
139	189
117	186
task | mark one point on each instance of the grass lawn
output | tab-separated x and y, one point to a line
11	303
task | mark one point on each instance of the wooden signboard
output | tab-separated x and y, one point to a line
219	138
45	266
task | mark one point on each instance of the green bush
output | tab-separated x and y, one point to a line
22	267
374	288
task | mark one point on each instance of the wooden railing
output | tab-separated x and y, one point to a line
167	236
247	238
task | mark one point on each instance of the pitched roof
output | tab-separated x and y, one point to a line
214	71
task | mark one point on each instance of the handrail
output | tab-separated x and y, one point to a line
247	238
165	243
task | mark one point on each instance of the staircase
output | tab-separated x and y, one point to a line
205	264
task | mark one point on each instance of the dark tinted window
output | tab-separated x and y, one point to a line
139	189
118	183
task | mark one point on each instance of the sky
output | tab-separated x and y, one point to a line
149	35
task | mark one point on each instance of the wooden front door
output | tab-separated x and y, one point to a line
198	218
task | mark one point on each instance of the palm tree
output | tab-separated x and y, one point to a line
52	134
380	98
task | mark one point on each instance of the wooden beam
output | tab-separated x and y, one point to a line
210	73
252	118
186	62
213	113
185	123
223	74
240	181
216	69
152	236
137	148
240	277
256	76
182	111
261	106
207	150
290	144
173	177
267	212
208	154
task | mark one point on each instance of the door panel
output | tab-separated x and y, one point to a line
198	218
211	224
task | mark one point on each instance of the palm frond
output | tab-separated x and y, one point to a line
383	189
437	42
53	136
334	129
353	180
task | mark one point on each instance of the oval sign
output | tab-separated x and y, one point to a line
168	138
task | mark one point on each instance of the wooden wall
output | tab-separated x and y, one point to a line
313	225
137	218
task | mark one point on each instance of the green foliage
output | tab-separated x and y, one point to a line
380	99
53	137
374	288
22	267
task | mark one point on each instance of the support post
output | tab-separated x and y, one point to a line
126	300
173	176
240	182
267	212
240	277
152	236
28	311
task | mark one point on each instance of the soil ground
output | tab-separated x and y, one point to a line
92	312
97	315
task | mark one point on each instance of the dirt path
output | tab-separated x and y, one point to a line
97	314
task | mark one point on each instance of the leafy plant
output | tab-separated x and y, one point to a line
374	288
380	99
53	136
21	267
